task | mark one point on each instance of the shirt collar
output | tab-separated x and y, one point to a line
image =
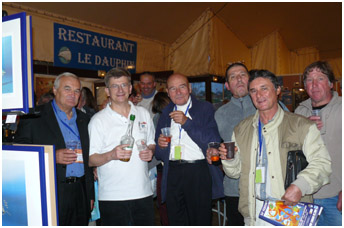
184	107
61	114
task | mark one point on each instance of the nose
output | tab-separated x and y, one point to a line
238	77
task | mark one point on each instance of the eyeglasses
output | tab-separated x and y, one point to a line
116	87
181	87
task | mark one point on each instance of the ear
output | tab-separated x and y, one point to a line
227	86
190	88
278	90
107	91
54	90
330	84
130	88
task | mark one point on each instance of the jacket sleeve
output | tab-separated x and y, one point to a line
318	171
23	133
232	168
203	128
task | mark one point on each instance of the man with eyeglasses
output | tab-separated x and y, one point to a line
189	184
148	91
58	123
125	192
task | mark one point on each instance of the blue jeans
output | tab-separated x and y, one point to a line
330	215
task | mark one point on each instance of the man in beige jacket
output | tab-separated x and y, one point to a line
263	141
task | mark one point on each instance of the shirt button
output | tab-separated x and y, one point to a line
273	177
269	153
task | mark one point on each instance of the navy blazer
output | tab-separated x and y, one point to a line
44	129
202	129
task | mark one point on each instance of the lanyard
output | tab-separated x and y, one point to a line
68	127
260	139
180	127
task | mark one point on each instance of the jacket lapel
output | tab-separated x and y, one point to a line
51	121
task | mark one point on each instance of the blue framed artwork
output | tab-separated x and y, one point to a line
17	76
28	185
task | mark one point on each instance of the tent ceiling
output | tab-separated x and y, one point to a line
317	24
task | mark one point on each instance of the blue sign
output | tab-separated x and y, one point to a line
78	48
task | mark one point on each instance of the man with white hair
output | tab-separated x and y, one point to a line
57	123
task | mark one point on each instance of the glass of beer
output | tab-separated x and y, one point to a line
214	152
166	131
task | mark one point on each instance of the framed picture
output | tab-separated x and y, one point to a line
17	77
28	186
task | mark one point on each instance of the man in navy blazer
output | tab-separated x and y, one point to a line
56	123
189	183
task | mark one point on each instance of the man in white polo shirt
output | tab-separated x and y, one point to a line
125	192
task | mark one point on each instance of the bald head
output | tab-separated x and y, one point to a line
178	89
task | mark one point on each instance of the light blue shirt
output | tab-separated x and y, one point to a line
70	132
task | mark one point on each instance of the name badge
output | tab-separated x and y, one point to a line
260	175
177	152
79	158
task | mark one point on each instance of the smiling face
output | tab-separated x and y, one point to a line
237	81
264	95
118	90
178	89
147	84
318	88
67	94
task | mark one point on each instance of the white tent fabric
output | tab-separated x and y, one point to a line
206	47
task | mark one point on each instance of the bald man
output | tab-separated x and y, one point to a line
189	183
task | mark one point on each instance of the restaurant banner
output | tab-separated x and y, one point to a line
82	49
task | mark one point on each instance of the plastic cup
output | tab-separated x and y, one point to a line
214	152
166	131
316	112
230	149
141	144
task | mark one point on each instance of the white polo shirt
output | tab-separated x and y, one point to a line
121	180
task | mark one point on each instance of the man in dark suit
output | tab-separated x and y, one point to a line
58	123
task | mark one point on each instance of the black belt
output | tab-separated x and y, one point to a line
71	180
177	162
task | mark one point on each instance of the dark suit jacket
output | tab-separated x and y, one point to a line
44	129
202	129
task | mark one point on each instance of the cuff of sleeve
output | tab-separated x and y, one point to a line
303	185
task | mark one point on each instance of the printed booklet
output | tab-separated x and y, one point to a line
302	214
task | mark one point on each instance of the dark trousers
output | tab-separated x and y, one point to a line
138	212
188	197
161	206
73	208
234	217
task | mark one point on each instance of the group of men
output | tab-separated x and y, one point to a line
261	129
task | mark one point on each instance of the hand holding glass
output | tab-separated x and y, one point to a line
214	152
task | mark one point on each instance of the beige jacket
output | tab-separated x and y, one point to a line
286	132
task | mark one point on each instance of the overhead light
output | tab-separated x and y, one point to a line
130	67
215	78
101	73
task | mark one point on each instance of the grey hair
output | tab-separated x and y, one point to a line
116	73
64	74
